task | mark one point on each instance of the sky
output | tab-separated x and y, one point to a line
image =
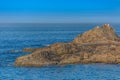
59	11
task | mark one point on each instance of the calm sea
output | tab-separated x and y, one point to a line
19	36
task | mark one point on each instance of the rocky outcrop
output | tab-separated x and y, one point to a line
99	45
98	34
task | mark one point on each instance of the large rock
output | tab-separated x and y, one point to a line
100	45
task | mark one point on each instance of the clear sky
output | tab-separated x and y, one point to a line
59	11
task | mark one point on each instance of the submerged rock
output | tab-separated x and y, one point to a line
99	45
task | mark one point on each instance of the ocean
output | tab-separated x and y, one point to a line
16	36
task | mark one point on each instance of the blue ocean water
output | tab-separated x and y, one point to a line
19	36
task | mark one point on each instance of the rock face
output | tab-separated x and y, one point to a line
100	45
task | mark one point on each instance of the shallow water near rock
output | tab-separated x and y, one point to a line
19	36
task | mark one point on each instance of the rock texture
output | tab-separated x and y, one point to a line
99	45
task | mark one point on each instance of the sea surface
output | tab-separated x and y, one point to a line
15	37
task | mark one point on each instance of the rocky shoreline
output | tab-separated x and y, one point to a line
99	45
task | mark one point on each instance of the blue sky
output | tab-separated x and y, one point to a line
59	11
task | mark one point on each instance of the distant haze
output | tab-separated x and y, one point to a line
59	11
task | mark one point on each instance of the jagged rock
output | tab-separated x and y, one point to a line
97	34
100	45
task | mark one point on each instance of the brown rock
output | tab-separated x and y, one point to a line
97	34
100	45
28	50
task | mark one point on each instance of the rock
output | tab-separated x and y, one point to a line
99	45
28	49
112	47
97	34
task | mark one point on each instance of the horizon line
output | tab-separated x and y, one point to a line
53	22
